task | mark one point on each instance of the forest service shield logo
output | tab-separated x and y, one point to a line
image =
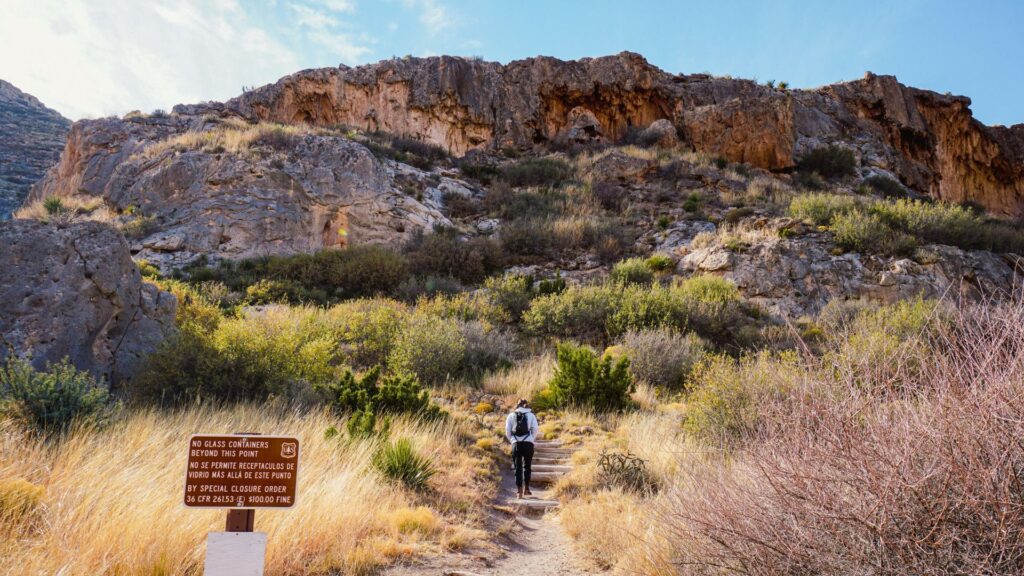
289	449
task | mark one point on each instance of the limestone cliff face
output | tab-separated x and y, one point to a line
930	141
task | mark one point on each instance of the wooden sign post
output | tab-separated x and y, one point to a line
240	472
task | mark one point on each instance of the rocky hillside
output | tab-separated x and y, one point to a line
33	136
545	167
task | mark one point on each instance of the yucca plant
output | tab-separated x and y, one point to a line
399	461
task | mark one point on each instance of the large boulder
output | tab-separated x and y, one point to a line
73	291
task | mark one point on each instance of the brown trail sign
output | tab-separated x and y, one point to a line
239	471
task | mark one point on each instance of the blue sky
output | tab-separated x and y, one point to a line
90	58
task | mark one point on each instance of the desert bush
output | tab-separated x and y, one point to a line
487	348
511	293
372	394
53	205
50	401
662	357
610	196
933	467
537	172
582	378
885	186
728	396
660	262
626	471
551	237
860	232
368	329
275	353
429	347
820	208
632	271
444	253
485	173
281	292
400	462
707	304
460	205
830	161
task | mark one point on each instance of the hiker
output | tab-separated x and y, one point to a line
521	431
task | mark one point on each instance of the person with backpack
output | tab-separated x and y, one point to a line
521	430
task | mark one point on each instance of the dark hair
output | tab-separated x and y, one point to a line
523	403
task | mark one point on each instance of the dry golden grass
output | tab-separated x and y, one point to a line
77	207
112	501
232	136
523	381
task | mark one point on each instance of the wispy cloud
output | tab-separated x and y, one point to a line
328	31
435	16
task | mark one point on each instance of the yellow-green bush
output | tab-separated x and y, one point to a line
728	395
820	208
430	347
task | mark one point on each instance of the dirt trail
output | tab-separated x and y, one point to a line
528	531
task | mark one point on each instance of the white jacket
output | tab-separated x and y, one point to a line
510	426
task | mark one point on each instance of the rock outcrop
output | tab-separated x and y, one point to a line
930	141
281	193
74	291
793	277
32	138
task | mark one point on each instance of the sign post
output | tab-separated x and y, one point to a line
240	472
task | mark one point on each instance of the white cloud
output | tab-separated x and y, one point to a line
89	58
435	17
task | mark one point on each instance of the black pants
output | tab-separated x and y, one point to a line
522	457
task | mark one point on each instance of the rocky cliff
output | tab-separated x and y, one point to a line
73	290
236	190
32	138
930	141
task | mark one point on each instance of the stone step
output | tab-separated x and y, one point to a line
547	468
534	503
545	477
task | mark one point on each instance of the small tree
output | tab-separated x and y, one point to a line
585	379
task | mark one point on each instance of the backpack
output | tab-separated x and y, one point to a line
522	428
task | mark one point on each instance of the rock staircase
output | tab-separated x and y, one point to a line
550	462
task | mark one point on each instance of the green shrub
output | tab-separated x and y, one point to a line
429	347
707	304
810	181
502	201
660	262
485	173
820	208
147	270
729	396
859	232
662	357
274	292
537	172
362	424
369	329
50	401
399	462
830	161
632	271
254	357
53	205
582	378
487	348
374	394
511	293
444	253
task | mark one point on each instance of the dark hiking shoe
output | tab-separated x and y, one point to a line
527	492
